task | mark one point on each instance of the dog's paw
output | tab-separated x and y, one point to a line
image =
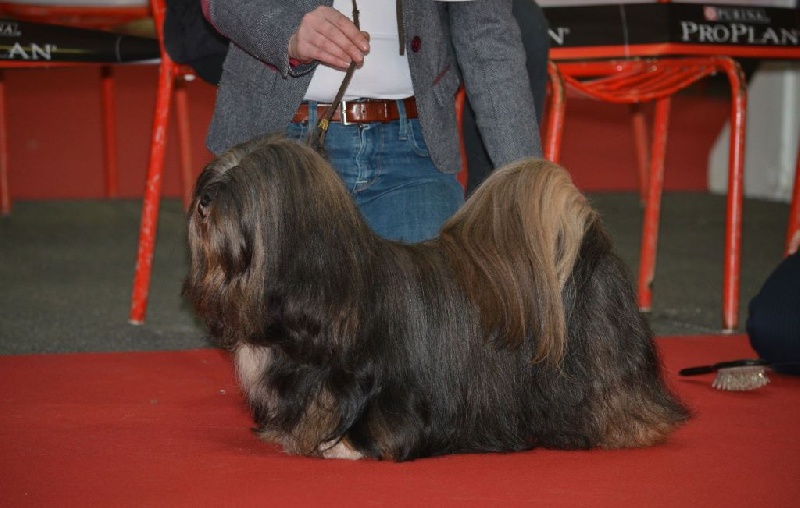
339	450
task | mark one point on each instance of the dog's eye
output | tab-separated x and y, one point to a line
202	206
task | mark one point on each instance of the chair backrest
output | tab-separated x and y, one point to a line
101	14
158	9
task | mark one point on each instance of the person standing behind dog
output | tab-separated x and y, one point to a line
773	323
536	41
396	146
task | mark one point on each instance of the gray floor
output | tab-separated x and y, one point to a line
66	270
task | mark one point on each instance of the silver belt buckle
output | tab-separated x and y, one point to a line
343	112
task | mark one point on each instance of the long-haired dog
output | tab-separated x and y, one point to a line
515	328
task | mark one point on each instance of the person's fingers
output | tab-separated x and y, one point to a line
313	47
352	35
328	36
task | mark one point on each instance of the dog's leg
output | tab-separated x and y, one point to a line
339	450
252	363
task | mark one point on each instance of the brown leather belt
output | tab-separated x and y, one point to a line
363	111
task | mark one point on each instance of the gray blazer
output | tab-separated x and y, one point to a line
479	38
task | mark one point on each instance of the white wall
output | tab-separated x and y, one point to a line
773	131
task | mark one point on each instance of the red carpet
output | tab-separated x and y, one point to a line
56	150
169	429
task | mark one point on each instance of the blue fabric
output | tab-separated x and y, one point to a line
773	323
387	170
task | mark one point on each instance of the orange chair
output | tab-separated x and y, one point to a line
171	80
554	113
104	18
82	15
794	209
657	79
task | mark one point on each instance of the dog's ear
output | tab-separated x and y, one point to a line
222	220
234	227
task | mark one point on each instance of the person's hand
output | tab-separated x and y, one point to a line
328	36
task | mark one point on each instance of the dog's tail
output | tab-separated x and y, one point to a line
514	244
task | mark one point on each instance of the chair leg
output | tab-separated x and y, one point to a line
639	123
184	140
794	208
652	210
733	221
463	174
555	115
152	194
109	131
5	194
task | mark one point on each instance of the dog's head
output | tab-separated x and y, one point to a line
257	210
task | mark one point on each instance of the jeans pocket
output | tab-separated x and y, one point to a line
296	131
416	140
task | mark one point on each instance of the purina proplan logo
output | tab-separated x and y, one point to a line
30	51
735	14
737	25
9	29
15	50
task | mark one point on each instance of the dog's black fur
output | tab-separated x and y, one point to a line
515	328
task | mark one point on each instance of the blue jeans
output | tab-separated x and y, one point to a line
388	172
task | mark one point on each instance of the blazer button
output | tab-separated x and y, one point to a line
416	43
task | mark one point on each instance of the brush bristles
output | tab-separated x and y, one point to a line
741	378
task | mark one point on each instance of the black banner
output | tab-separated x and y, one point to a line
39	42
630	24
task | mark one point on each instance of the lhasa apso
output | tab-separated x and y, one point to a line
515	328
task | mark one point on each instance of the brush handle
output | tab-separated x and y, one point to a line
696	371
707	369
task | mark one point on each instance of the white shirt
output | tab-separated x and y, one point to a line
384	75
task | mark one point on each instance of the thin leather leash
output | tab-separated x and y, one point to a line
401	32
316	138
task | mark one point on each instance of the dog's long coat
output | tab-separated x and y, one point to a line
515	328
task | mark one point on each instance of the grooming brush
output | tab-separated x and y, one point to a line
736	375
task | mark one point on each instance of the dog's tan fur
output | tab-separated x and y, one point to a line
505	256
